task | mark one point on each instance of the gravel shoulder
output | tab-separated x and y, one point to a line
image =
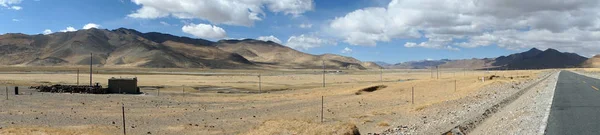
526	115
442	117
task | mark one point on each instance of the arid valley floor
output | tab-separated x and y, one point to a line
229	101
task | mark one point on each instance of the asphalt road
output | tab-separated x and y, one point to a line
576	106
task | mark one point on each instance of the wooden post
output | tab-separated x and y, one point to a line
322	100
158	91
323	74
413	95
183	91
454	85
78	76
259	84
6	92
123	110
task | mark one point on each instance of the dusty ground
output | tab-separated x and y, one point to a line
222	102
526	115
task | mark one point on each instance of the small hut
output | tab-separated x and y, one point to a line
123	85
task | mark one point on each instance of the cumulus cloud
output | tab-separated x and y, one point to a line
205	31
231	12
347	50
47	31
305	42
15	20
165	23
305	26
510	24
69	29
91	25
7	3
270	38
16	7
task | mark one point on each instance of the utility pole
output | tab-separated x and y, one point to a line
438	72
323	74
431	72
91	62
381	75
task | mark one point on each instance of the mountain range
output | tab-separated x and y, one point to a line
531	59
129	48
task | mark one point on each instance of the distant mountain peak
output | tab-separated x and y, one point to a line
127	31
551	50
534	50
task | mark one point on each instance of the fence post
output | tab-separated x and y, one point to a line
413	95
123	110
454	85
322	100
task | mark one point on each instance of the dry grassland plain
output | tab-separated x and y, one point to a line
229	102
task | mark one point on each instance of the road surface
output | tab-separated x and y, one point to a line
576	106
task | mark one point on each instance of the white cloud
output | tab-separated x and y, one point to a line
304	42
347	50
205	31
480	22
47	31
270	38
231	12
16	7
305	26
15	20
91	25
68	29
165	23
7	3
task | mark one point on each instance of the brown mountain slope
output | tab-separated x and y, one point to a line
120	47
273	55
130	48
593	62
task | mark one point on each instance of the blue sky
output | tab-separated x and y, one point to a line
374	30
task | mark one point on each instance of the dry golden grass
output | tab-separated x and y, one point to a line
301	99
300	127
383	124
49	131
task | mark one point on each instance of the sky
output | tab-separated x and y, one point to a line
391	31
